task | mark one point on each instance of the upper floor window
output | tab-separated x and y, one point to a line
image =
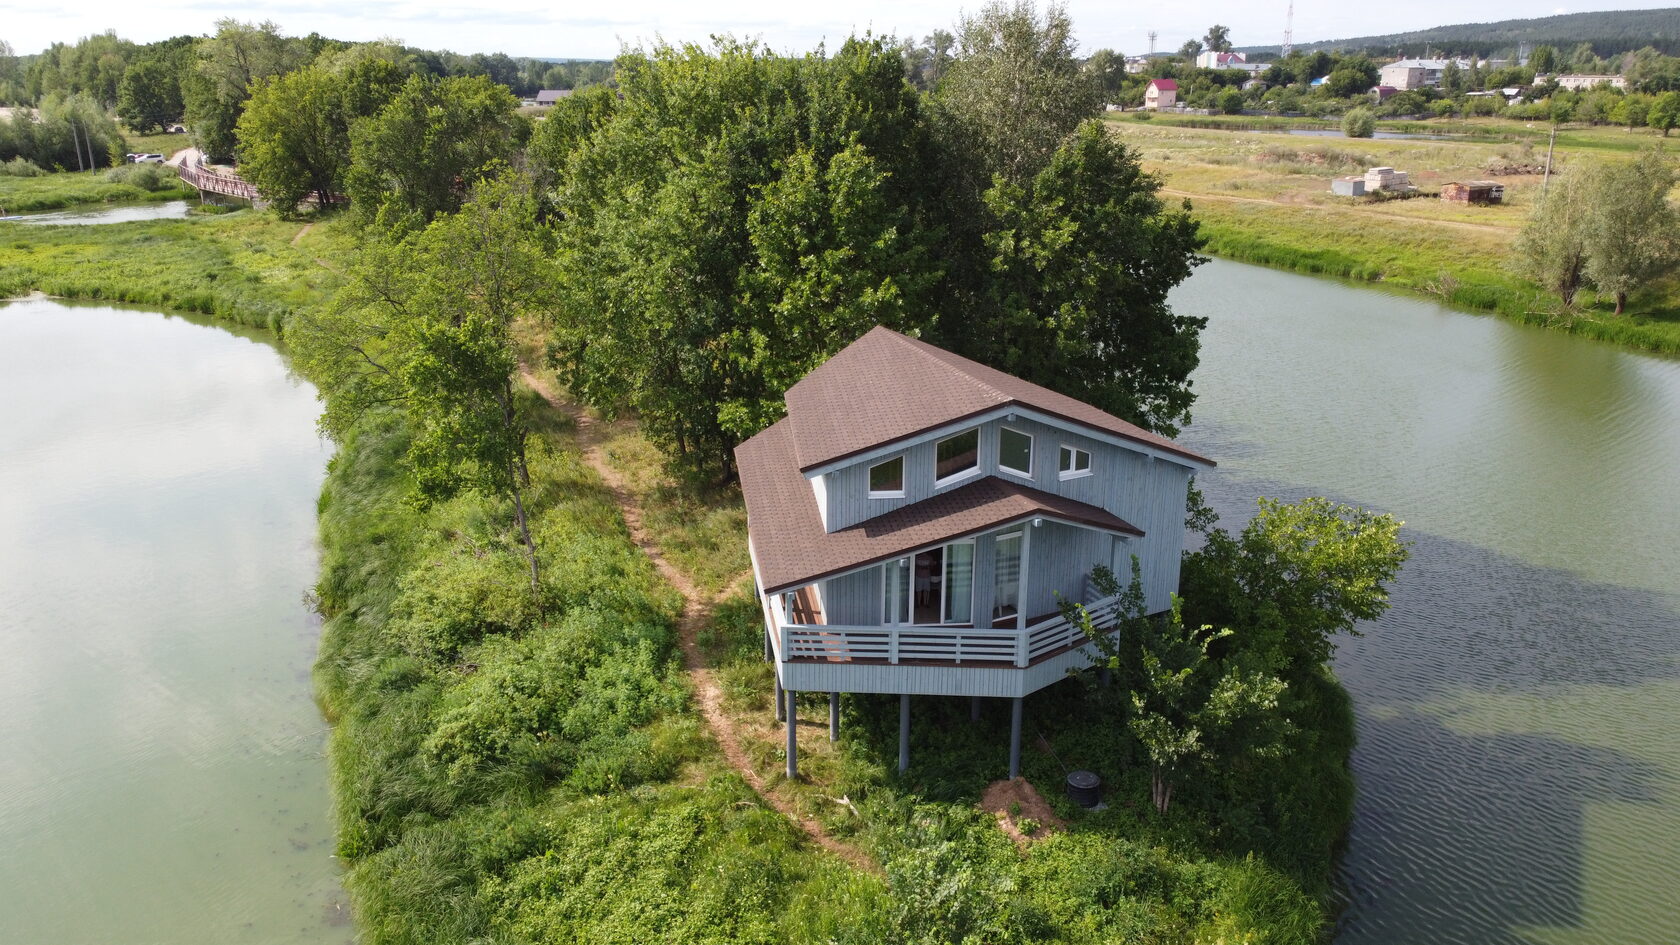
1015	451
956	456
886	480
1075	463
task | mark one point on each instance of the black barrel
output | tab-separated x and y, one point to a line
1084	788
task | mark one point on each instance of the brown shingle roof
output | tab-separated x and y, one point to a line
885	387
792	548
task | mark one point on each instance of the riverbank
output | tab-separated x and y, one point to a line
138	183
1263	197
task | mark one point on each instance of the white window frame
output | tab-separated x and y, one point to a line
1032	451
1074	473
869	478
964	474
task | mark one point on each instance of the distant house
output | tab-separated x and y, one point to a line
916	518
1162	93
1220	60
1383	92
550	96
1409	74
1136	64
1580	83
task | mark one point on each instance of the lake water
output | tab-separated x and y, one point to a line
127	213
1519	752
1397	135
162	777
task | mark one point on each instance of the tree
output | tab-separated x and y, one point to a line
1015	90
228	63
1664	113
1359	123
425	326
1543	60
1218	39
732	221
1452	78
1295	577
294	137
1551	248
1346	83
1231	102
416	157
1082	259
149	95
1190	50
1189	704
1108	68
1631	236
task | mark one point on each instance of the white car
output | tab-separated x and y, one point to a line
148	159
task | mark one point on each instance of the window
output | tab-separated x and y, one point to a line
956	456
1075	463
1006	577
930	588
1015	452
886	480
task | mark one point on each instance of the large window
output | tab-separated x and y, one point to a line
1015	452
933	587
956	456
886	480
1075	463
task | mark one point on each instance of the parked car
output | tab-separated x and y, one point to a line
148	159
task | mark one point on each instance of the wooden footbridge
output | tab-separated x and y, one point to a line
226	182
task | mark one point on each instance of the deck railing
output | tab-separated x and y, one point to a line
957	645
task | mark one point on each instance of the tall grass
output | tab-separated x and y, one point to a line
131	184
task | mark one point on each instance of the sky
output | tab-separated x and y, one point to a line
567	29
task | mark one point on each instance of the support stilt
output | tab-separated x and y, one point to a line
768	653
781	707
1015	738
792	737
834	716
974	708
903	733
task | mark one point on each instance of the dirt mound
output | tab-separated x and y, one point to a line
1014	803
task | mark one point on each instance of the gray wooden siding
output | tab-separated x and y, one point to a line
854	599
1147	492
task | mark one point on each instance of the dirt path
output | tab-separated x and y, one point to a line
697	609
299	238
1454	224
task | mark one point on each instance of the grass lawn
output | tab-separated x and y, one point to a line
1263	196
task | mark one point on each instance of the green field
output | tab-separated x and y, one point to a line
83	188
1264	197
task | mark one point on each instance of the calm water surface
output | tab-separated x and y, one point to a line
1519	753
162	777
127	213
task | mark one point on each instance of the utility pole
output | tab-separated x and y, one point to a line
76	145
1547	179
1151	44
1289	32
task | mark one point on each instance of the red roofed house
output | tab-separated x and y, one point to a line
1162	93
916	517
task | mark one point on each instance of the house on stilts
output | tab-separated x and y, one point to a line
916	517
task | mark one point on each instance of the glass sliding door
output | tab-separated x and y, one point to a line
959	582
928	594
1006	578
895	580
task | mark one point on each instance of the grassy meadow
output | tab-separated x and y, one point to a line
65	189
1263	196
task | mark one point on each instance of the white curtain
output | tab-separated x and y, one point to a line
959	583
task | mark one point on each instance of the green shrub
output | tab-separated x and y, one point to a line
1359	123
147	177
19	167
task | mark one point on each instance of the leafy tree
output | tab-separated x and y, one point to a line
1218	39
1359	123
1452	78
1346	83
1631	110
1190	50
1664	113
294	137
149	95
228	63
730	223
1015	90
1298	575
1550	248
926	64
1192	701
1231	102
1543	60
1632	235
416	157
1082	259
425	325
1108	68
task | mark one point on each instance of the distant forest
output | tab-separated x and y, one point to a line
1609	31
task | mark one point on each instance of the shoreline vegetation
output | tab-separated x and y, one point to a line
65	190
1262	197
